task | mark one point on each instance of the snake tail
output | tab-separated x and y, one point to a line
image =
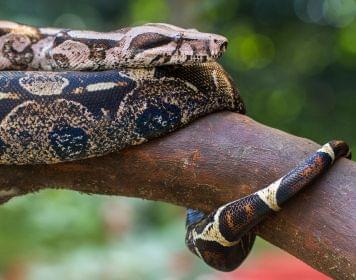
224	238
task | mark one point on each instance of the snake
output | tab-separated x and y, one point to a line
74	94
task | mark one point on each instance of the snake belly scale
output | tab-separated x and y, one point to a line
71	94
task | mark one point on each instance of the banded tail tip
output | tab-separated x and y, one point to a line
340	148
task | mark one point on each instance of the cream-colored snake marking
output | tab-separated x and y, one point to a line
70	94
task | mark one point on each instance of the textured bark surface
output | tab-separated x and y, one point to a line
213	161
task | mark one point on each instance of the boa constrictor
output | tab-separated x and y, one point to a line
149	81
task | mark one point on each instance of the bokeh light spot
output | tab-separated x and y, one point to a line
339	12
152	11
314	10
70	21
347	39
309	57
284	104
252	50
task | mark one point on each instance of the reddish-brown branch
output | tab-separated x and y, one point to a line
215	160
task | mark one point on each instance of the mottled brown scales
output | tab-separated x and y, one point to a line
121	84
212	257
148	40
229	220
316	166
78	90
306	172
61	60
98	52
141	46
249	210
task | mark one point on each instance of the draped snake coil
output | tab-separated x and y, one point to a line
70	94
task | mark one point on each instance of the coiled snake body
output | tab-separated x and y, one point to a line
148	81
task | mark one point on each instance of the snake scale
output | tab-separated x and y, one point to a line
70	94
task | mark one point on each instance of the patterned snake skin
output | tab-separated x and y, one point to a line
148	81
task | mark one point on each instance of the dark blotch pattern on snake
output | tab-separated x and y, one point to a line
51	117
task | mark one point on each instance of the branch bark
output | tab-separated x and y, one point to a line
213	161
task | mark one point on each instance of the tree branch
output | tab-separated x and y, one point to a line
213	161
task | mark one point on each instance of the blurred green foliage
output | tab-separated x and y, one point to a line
294	63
